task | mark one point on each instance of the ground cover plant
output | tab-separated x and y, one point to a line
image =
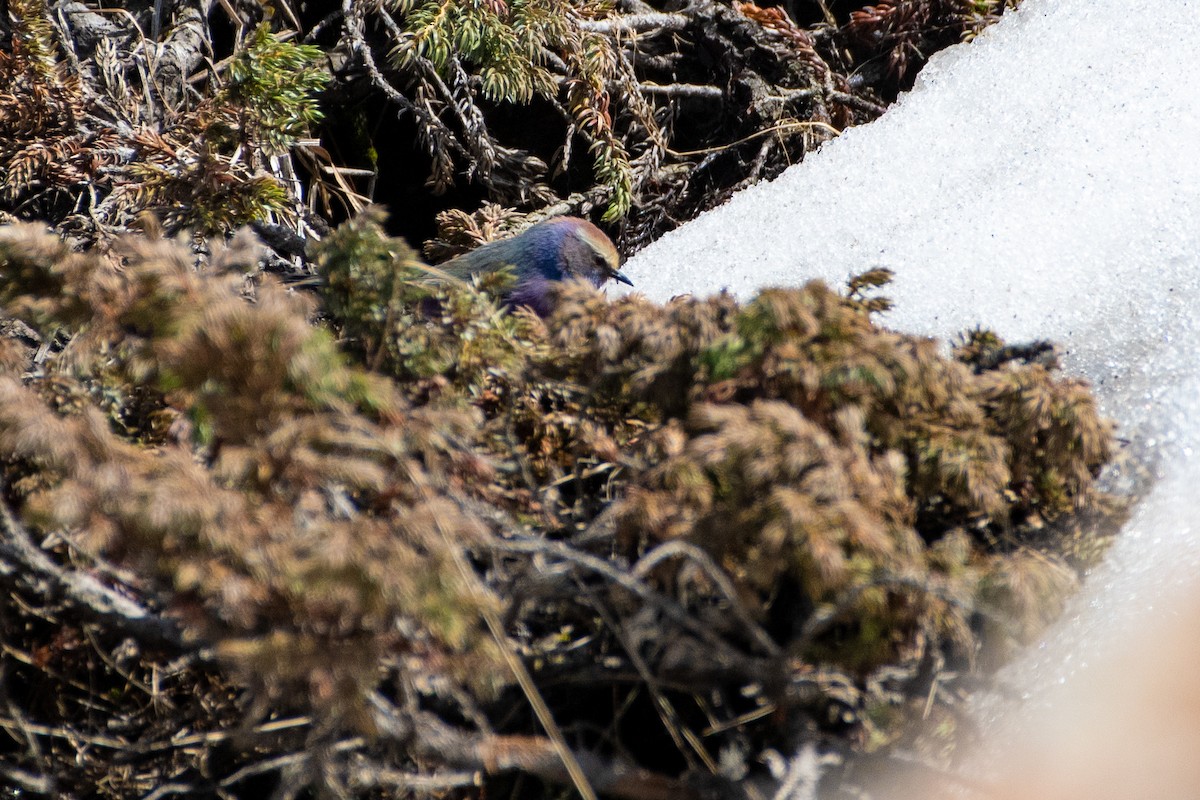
297	519
624	547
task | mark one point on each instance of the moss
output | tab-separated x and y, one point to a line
791	438
776	505
240	512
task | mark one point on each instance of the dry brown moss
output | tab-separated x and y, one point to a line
791	438
293	505
776	519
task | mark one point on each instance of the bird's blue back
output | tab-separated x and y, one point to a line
535	253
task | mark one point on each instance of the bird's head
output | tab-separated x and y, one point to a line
584	251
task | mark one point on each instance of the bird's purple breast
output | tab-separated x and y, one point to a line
534	292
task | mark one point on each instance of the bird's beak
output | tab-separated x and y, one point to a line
619	278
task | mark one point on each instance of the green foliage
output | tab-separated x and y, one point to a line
42	150
772	494
201	191
904	33
595	66
507	45
504	41
410	320
33	36
270	97
203	166
966	440
219	183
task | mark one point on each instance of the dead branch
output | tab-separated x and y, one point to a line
22	560
638	23
494	754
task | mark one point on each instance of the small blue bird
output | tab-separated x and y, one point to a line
555	250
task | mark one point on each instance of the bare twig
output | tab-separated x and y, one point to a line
494	755
26	781
369	775
689	90
669	607
858	102
783	127
637	23
524	679
800	775
682	549
82	589
288	760
670	717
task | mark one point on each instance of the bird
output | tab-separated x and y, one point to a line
554	250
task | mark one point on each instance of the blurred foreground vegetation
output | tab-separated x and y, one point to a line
656	543
290	520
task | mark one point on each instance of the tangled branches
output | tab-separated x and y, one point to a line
641	116
94	139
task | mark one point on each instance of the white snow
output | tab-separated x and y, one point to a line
1043	181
